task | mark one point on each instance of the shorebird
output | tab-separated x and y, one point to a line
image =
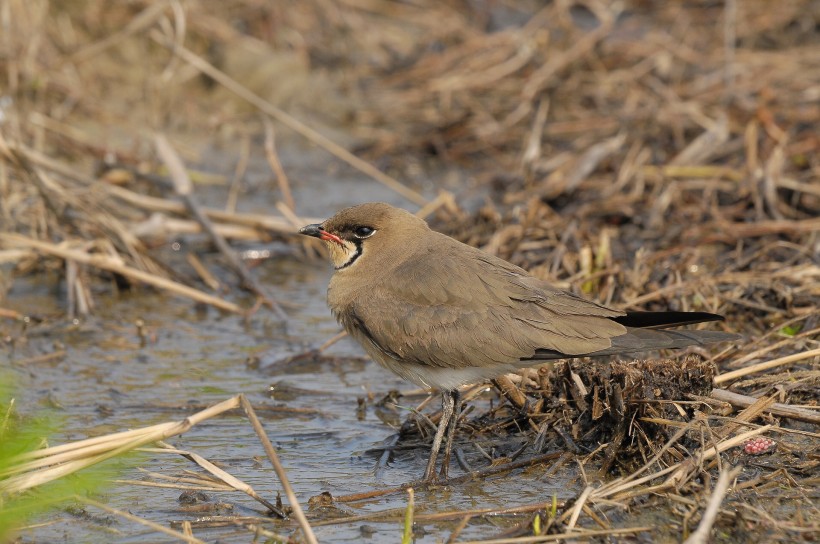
442	314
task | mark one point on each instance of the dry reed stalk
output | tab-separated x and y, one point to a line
701	534
139	23
256	221
577	507
276	165
759	367
740	361
777	408
181	487
280	470
258	531
163	227
288	213
193	478
41	466
475	475
187	528
238	174
46	357
396	514
142	521
288	120
454	534
60	200
620	489
184	189
685	469
230	480
580	534
749	413
44	465
115	265
718	139
202	271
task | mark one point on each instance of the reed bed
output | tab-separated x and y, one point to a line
648	155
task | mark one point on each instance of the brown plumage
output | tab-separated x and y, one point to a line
441	313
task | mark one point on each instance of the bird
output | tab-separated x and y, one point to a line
442	314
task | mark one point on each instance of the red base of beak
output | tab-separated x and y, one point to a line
325	235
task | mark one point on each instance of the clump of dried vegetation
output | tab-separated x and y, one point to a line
649	155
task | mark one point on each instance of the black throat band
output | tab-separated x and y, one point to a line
356	255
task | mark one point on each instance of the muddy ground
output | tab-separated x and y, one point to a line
646	155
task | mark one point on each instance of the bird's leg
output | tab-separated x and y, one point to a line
446	414
451	432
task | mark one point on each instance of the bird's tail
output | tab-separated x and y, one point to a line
638	340
663	320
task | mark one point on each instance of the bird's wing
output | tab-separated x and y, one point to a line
475	310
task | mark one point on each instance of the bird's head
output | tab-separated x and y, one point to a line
375	233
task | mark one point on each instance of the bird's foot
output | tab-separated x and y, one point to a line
445	464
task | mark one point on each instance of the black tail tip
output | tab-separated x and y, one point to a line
661	320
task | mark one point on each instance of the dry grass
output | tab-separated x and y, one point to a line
41	466
653	155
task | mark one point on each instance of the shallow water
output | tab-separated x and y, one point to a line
197	356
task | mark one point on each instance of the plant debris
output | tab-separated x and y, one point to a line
646	155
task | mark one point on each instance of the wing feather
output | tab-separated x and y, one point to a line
476	310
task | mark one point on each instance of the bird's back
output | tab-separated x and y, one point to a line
450	305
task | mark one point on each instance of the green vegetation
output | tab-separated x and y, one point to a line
20	436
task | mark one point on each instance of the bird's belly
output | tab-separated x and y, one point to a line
437	377
429	375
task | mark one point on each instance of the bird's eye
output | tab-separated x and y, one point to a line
363	232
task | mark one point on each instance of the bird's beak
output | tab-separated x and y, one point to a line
312	230
317	231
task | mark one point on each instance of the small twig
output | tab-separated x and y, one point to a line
684	468
238	173
701	535
532	150
478	474
280	470
44	358
138	23
142	521
258	530
778	409
438	516
577	535
289	215
331	341
579	504
740	361
184	188
276	164
115	265
748	414
267	222
510	392
291	122
229	479
204	274
458	528
766	365
538	80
